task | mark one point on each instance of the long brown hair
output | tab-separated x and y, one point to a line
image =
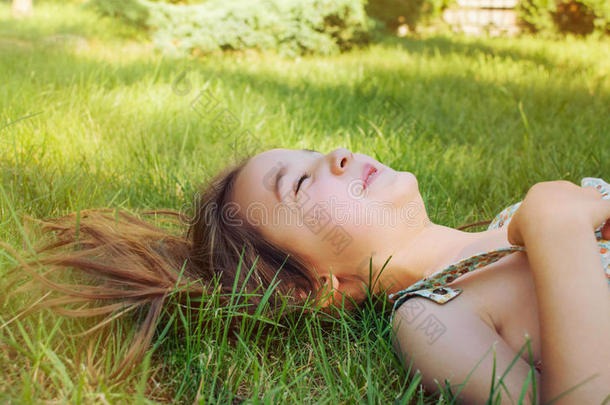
138	265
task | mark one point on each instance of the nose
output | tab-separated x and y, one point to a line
339	160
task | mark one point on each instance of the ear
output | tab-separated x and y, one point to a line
329	290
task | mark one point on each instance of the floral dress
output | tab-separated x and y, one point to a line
434	287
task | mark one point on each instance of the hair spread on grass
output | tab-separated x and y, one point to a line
134	264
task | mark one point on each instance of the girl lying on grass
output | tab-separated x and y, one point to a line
319	217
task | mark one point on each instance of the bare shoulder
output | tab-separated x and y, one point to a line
503	296
451	342
424	322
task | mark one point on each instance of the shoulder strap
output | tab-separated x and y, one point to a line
434	286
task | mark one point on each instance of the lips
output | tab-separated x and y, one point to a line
369	174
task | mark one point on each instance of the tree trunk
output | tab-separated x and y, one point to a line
22	8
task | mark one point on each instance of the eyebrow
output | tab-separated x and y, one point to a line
280	174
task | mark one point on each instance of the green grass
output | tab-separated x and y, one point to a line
95	119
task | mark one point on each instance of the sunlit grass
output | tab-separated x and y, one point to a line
98	119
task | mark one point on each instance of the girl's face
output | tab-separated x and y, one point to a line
333	210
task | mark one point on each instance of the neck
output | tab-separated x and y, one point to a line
431	249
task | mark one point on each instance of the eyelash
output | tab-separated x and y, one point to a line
303	177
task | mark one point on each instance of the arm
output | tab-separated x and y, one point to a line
447	342
572	293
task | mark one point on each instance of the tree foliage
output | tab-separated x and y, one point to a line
291	27
575	16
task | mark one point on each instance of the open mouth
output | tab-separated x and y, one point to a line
369	173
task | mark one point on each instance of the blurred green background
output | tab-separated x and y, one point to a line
102	105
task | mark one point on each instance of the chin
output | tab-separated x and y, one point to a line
407	187
399	189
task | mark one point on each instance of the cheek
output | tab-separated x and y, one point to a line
325	229
339	209
329	190
339	222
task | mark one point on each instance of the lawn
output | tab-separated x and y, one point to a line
91	115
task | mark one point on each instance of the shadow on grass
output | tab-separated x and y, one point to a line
445	46
454	108
403	105
361	99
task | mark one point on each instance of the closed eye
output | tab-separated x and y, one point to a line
301	180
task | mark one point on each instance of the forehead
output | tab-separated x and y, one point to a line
256	180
